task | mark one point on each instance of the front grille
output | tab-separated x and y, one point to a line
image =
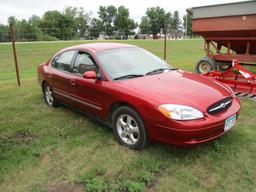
220	106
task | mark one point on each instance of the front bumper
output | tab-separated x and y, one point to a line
194	131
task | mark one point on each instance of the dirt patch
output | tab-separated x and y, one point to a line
152	185
18	138
21	137
66	187
209	182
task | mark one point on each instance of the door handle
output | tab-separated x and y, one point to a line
72	82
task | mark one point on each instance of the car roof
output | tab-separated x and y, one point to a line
98	47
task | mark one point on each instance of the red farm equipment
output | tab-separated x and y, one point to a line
229	32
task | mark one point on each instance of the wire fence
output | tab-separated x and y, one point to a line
28	57
55	34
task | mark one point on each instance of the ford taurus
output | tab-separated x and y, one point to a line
139	95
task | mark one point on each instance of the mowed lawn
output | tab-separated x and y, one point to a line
57	149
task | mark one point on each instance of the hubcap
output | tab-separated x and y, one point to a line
127	129
48	95
204	67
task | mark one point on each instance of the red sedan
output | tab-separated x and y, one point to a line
139	95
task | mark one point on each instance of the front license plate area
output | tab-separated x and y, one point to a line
230	122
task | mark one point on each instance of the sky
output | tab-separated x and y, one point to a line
23	9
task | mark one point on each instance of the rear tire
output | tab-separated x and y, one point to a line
129	128
205	65
48	96
224	66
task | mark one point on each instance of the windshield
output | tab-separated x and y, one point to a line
131	63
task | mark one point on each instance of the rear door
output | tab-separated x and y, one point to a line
60	77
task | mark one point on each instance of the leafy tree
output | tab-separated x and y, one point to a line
35	30
82	21
188	25
22	30
58	25
145	25
51	23
123	23
168	22
107	16
176	22
95	28
4	29
80	18
156	19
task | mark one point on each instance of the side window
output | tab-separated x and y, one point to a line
84	62
63	61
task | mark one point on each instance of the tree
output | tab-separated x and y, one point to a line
58	25
4	29
51	23
168	22
145	25
107	16
176	22
188	24
36	32
156	19
82	21
95	28
22	30
123	23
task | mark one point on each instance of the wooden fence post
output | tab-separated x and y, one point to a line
165	45
14	53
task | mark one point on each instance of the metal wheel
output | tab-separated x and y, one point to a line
127	129
204	67
48	96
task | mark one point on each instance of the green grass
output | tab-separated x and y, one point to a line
46	149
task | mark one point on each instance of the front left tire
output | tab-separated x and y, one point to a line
129	128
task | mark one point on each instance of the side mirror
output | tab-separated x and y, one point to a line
90	75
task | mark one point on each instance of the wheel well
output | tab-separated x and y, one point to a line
43	83
114	106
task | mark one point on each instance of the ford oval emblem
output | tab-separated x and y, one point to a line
223	105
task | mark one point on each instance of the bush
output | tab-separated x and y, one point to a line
48	38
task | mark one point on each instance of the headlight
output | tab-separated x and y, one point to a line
180	112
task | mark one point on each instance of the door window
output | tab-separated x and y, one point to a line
63	61
84	62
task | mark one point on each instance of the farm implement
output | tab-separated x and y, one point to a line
229	32
242	81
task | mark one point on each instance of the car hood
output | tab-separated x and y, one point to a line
179	87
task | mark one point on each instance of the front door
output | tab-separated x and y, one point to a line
91	96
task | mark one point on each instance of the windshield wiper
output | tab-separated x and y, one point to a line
128	76
160	70
156	71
